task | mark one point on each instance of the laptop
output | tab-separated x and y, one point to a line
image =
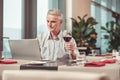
27	49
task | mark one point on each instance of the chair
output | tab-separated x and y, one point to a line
50	75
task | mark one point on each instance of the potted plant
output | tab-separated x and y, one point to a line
83	31
113	36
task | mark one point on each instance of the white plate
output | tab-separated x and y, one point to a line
37	62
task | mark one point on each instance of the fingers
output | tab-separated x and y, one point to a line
69	46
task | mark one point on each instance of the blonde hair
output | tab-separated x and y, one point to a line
55	12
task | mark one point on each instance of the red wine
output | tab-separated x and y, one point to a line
67	39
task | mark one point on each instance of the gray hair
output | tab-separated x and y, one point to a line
55	12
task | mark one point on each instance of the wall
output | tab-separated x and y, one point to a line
80	7
76	8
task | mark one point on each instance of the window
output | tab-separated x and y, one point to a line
41	15
11	23
12	19
15	20
102	11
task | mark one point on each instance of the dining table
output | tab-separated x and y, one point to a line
110	69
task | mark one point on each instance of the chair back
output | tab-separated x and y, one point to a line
50	75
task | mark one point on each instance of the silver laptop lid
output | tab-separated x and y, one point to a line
27	49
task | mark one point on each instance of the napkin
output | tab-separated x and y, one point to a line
94	64
8	61
109	60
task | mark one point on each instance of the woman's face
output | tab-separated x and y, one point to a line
54	23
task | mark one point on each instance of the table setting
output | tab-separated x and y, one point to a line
104	63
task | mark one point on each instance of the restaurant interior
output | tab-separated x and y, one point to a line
98	43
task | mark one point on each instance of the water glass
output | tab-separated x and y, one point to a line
93	52
81	58
114	52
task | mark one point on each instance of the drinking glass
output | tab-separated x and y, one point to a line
6	49
114	52
82	57
67	36
93	52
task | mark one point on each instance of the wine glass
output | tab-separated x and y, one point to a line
67	36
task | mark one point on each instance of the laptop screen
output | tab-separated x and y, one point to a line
27	49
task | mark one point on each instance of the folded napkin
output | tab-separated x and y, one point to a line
109	60
94	64
104	54
8	61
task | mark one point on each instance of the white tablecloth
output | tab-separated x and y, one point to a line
15	66
112	70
